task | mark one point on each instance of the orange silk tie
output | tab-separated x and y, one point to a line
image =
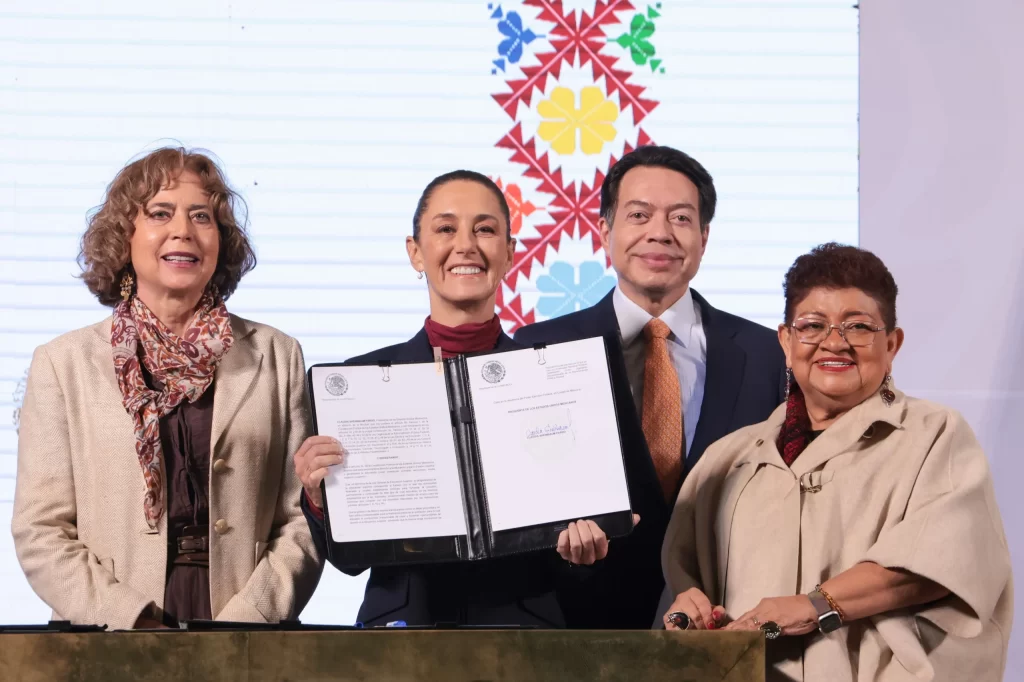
662	408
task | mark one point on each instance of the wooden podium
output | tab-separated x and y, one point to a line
392	655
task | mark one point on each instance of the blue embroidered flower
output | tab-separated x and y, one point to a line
511	48
560	293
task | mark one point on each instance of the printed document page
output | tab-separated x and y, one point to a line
549	446
400	478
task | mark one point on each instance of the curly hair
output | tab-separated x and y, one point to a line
836	266
106	245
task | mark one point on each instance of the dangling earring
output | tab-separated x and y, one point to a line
887	395
789	382
126	286
419	274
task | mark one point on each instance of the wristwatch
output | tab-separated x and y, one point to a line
829	618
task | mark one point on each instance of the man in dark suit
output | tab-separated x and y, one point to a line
688	374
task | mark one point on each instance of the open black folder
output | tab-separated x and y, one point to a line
470	457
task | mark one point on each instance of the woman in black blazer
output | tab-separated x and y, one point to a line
462	243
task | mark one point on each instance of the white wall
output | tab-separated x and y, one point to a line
942	179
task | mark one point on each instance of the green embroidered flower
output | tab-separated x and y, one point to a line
637	41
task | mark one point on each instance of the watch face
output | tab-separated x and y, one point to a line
830	622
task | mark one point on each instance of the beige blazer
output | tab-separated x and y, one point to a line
905	486
79	528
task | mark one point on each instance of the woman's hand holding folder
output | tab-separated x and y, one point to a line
583	542
312	461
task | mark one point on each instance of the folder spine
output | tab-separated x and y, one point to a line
478	539
471	450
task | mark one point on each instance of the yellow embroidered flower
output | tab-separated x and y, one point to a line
593	119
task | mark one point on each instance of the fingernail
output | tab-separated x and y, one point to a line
711	625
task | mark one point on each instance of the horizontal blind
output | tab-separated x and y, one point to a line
330	118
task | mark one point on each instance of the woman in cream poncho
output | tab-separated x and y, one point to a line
857	527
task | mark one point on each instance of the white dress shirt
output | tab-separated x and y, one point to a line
687	345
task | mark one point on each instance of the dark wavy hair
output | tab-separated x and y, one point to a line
660	157
471	176
106	245
836	266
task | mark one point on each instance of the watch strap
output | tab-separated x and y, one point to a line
821	604
832	602
829	617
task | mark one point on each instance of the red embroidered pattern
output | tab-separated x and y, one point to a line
573	207
185	367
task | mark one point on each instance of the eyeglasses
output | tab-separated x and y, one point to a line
855	333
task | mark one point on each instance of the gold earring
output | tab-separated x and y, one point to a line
126	286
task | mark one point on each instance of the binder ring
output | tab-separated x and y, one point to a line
540	357
386	371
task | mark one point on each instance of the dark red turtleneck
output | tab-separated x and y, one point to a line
466	338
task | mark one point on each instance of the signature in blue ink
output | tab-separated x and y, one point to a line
547	430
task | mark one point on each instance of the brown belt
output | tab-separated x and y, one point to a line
191	547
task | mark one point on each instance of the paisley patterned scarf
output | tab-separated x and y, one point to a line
184	366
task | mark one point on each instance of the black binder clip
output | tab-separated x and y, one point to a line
539	347
385	368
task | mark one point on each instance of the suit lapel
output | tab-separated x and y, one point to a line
725	366
602	321
104	361
600	318
416	349
505	343
234	377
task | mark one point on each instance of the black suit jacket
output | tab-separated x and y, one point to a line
745	381
516	590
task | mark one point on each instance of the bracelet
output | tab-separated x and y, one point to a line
832	603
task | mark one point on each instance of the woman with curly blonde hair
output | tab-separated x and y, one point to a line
153	481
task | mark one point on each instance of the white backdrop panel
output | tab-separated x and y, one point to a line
330	117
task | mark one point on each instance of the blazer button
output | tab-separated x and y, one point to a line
219	466
220	527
